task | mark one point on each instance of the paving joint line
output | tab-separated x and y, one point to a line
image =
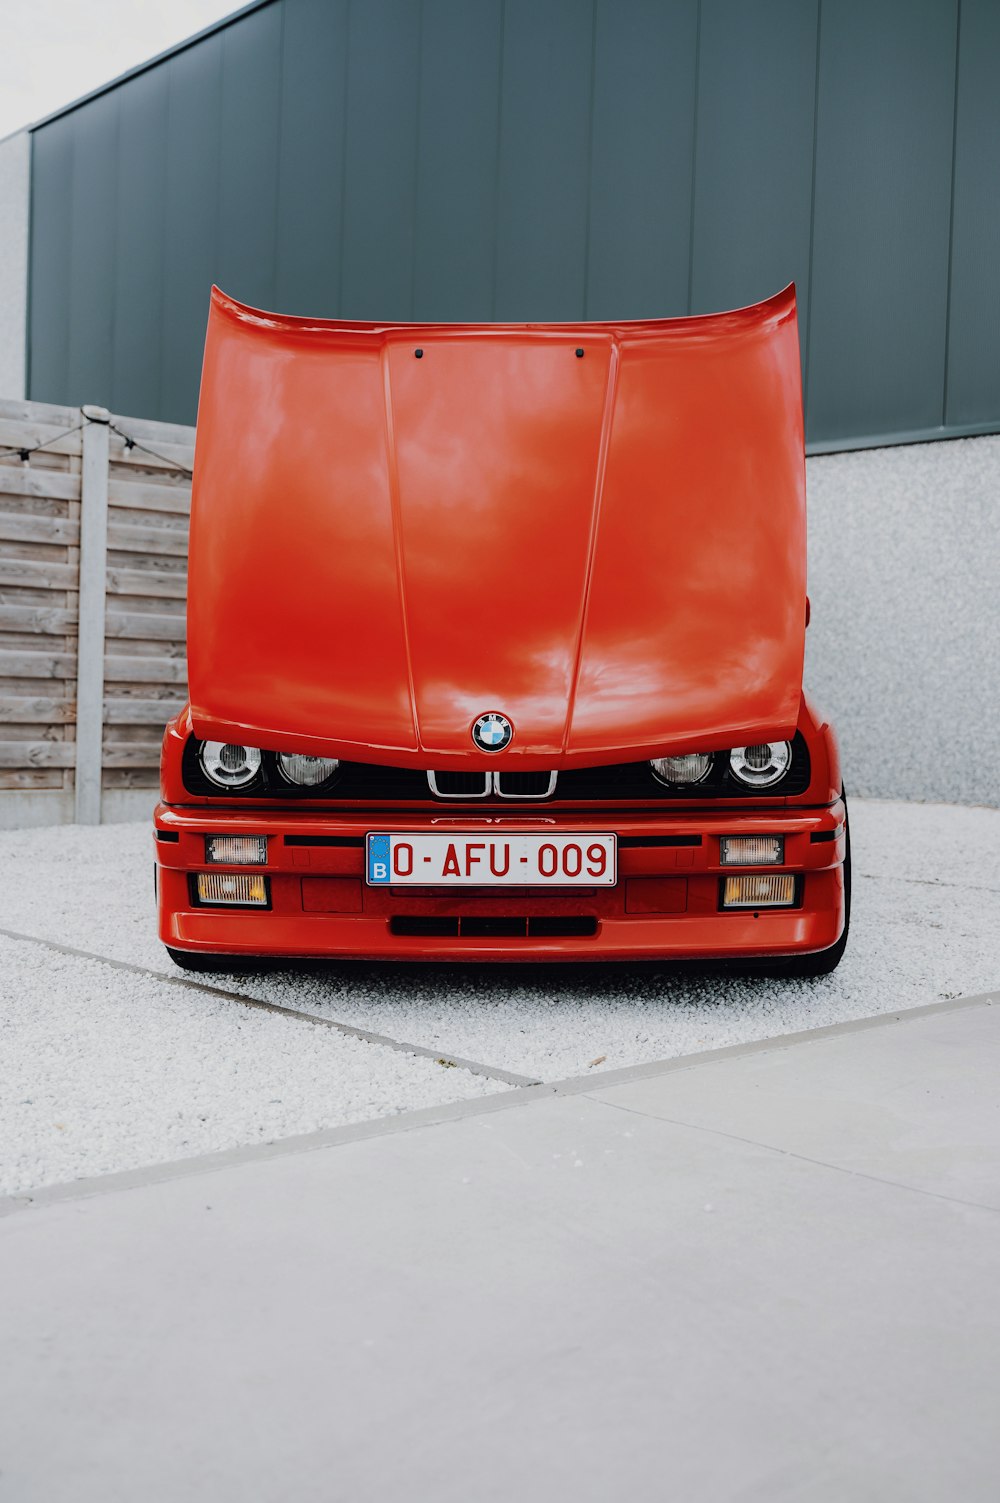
580	1084
474	1067
790	1153
587	1086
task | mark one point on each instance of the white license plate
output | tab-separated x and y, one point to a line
490	860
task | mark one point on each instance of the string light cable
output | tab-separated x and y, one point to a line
25	451
133	443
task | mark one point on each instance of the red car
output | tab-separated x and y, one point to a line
495	643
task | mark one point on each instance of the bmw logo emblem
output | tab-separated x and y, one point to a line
492	732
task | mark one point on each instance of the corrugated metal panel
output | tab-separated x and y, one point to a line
191	198
973	384
140	222
49	258
461	159
645	70
248	160
311	157
93	203
756	117
543	180
383	87
878	301
458	134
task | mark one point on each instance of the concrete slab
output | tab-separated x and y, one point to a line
576	1297
917	1105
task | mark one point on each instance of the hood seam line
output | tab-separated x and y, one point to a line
392	472
610	398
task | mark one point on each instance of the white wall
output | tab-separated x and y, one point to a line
15	180
903	653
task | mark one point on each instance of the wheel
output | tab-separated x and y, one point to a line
195	960
807	967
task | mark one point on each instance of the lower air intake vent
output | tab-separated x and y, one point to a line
578	925
494	928
421	923
573	925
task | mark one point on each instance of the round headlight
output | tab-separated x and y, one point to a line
229	766
760	766
693	767
306	772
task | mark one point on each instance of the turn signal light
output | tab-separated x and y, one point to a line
236	850
222	888
753	850
772	891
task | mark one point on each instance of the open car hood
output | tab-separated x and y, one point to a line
597	530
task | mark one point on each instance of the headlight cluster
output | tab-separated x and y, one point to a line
230	766
306	772
693	767
758	766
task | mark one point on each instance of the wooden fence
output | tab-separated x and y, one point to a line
93	574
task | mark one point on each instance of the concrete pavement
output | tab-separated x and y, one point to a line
765	1273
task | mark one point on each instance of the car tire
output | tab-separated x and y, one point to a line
822	962
197	960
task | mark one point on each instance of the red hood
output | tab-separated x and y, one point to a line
396	528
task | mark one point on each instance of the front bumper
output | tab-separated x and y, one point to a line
665	904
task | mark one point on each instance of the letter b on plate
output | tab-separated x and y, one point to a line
378	858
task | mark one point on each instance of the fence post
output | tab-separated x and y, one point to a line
93	586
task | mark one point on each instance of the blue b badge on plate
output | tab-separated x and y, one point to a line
378	858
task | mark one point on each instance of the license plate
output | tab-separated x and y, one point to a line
474	860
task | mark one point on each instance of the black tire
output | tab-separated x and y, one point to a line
196	960
822	962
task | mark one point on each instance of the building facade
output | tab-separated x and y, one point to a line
531	160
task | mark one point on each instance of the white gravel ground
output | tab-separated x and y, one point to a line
101	1069
926	925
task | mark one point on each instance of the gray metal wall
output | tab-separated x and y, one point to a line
543	159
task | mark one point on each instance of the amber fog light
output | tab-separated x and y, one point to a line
772	891
218	889
753	850
236	850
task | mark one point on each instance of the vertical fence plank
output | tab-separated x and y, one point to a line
93	585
